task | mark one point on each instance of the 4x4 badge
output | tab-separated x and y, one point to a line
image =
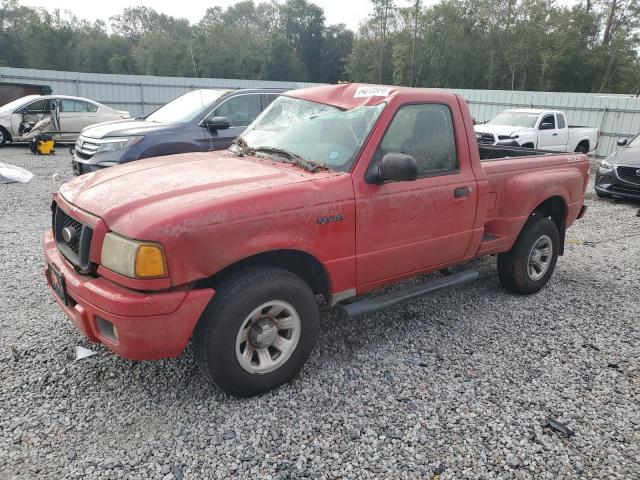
332	218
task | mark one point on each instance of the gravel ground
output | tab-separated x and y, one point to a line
455	385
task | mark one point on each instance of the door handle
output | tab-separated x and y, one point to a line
461	192
555	135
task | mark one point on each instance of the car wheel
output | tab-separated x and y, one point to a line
582	148
258	331
4	136
527	267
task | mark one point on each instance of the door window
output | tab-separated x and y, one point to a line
561	122
549	119
41	106
74	106
240	110
426	133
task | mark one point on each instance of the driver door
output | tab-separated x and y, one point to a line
548	139
406	227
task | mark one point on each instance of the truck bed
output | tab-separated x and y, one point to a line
492	152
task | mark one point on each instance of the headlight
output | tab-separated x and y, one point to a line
132	258
605	164
115	144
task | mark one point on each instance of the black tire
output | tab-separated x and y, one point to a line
513	266
4	136
602	195
236	298
582	147
528	145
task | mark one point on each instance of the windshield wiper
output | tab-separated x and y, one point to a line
243	146
293	159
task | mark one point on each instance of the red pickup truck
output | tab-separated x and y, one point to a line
333	191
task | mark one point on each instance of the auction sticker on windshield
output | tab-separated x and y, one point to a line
372	92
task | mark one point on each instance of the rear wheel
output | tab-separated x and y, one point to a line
583	147
527	267
258	331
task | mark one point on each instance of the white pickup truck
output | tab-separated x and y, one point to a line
540	129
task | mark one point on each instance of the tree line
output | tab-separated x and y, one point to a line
591	46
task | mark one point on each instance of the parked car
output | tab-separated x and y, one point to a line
198	121
61	116
541	129
619	174
335	191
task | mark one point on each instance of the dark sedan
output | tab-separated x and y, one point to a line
198	121
619	174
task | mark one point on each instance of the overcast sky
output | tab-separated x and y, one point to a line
350	12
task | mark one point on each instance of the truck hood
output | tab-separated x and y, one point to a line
506	130
159	188
125	128
626	156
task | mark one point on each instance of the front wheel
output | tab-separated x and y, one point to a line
258	331
527	267
4	136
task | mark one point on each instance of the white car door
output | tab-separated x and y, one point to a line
563	132
74	116
548	133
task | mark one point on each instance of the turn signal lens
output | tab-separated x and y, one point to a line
150	261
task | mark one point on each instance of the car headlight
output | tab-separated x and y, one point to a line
115	144
132	258
605	164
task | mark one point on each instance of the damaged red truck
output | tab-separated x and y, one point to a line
333	191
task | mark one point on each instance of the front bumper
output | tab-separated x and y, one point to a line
149	326
82	163
609	184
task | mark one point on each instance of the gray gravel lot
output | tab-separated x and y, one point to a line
456	384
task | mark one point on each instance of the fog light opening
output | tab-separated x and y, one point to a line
107	329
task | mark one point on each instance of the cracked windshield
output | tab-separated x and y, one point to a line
309	133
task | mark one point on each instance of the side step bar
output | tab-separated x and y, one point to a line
376	303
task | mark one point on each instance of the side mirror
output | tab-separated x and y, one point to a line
546	126
397	167
217	123
622	142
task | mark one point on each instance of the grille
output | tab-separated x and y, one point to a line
629	174
76	250
486	138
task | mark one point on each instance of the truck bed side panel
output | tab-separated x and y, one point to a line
517	186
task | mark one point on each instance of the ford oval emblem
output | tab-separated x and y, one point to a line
68	234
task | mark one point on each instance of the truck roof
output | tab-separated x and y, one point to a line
351	95
537	111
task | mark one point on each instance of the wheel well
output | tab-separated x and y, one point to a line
555	208
7	134
583	142
527	145
304	265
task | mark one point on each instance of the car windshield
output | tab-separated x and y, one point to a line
11	106
187	107
306	132
515	119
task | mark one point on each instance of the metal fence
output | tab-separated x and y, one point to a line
139	94
615	115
